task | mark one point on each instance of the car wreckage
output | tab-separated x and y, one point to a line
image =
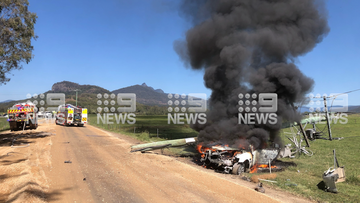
237	161
227	159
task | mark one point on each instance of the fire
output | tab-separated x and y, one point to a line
201	149
255	168
237	152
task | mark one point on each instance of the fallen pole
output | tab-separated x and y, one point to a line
163	144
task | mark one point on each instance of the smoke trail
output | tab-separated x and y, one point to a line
249	46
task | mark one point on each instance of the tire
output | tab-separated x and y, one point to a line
238	169
32	125
12	125
18	125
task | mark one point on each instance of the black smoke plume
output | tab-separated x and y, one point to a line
249	46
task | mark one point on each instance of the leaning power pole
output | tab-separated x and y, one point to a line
327	118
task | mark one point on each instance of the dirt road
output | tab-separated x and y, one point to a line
102	169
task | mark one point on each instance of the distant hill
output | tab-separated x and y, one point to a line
9	100
354	109
145	94
69	87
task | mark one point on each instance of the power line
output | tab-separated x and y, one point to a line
336	94
343	93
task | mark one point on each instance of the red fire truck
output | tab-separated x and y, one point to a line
22	116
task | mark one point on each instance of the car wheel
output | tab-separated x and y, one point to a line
238	169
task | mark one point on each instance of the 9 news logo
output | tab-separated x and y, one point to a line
52	100
119	111
257	109
195	111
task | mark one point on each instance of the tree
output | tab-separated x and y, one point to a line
16	33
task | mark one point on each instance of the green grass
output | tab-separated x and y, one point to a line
311	168
147	128
4	124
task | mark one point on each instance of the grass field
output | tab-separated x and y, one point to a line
4	124
308	170
148	128
312	168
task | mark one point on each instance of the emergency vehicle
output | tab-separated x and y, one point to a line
70	115
22	116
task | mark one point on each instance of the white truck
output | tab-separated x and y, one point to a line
71	115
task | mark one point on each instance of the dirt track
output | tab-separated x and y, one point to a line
113	174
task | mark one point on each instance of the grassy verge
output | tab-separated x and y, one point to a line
4	124
147	128
306	175
308	172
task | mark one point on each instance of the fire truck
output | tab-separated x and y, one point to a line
70	115
22	116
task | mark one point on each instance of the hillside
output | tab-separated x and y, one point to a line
145	94
354	109
69	87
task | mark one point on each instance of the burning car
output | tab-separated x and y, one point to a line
235	160
222	157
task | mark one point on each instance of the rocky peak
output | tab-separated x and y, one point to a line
64	86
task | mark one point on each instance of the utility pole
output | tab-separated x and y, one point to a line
76	95
327	118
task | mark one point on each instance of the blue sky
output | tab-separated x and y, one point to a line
118	43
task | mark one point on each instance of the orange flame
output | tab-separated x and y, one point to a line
255	168
202	150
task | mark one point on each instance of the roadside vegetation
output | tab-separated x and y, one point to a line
4	124
148	128
308	172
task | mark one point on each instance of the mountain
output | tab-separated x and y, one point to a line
157	90
9	100
145	94
149	101
87	95
354	109
69	87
